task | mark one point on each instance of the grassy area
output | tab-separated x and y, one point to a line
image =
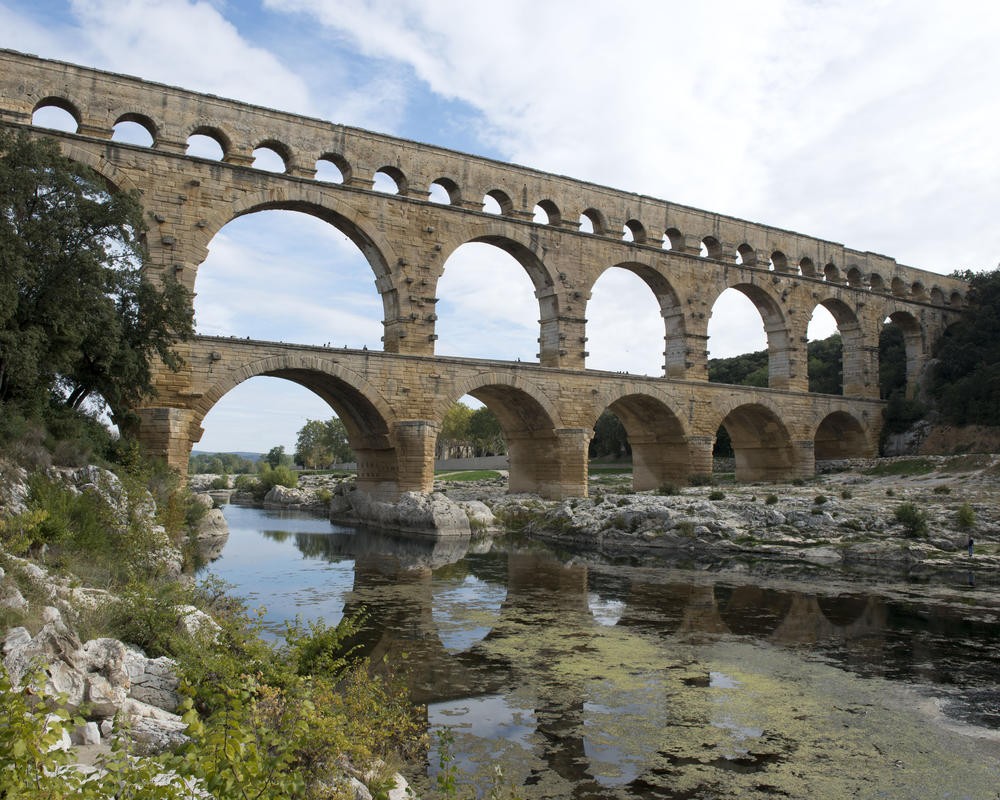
905	467
468	475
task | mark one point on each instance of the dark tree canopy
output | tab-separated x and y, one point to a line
78	316
610	438
322	444
965	379
751	369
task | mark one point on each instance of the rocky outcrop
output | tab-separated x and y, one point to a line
115	685
431	515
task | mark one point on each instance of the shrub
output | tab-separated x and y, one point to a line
942	490
820	499
220	482
246	483
701	479
278	476
846	494
668	490
913	520
890	492
771	499
965	516
716	494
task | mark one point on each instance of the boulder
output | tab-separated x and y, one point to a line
194	622
105	698
152	681
479	514
87	734
432	515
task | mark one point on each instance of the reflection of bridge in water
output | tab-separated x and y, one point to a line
545	649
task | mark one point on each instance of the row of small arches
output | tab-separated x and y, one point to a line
273	156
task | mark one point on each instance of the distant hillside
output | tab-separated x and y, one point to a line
255	457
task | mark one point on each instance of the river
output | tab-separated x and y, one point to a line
588	679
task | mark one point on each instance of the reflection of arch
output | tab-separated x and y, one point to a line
761	443
752	610
840	435
843	609
658	440
671	310
529	421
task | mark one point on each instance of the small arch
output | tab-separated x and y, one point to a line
633	231
937	296
550	210
855	278
876	282
900	346
956	300
539	216
807	267
840	435
136	129
586	224
673	239
389	180
917	291
595	220
496	201
898	287
210	143
711	248
779	261
332	168
268	158
56	113
746	255
831	274
444	191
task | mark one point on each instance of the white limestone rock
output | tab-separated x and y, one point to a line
152	681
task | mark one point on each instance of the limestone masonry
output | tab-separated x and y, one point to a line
392	402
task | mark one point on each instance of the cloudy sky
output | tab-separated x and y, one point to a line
869	123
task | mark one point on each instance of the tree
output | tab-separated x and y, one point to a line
454	434
277	457
610	438
320	444
78	314
486	434
965	378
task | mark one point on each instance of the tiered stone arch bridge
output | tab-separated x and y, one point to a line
564	232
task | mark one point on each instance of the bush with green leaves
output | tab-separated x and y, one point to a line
912	518
965	516
716	495
771	500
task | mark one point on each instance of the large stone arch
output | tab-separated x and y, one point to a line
915	340
781	364
532	428
657	435
671	310
529	253
354	224
841	435
855	359
762	444
372	427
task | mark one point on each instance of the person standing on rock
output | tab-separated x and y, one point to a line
971	543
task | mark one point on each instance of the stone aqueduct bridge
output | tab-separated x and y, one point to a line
392	402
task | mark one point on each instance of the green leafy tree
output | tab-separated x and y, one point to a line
78	315
320	444
486	434
454	439
277	457
610	438
826	365
965	379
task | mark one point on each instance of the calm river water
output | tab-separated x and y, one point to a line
584	679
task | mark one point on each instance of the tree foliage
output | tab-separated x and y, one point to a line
965	379
78	315
220	464
610	438
466	432
751	369
322	444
